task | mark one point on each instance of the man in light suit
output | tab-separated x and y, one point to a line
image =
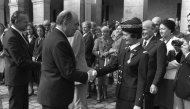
56	89
157	62
18	61
78	46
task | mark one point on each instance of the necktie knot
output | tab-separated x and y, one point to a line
144	44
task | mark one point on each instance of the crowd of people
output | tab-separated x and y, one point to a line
68	61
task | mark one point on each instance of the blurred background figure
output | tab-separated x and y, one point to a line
93	27
31	36
98	32
157	21
53	25
89	43
101	49
104	23
2	60
47	26
37	52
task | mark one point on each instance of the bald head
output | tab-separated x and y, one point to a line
65	16
156	21
68	22
46	22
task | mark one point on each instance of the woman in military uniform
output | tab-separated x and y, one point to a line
132	64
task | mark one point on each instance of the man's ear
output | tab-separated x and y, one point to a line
16	22
64	23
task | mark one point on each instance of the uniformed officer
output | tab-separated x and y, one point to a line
132	64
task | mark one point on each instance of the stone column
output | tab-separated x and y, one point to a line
16	5
78	6
41	11
185	10
96	11
88	7
2	18
135	8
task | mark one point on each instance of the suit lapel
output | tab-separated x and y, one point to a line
22	40
151	44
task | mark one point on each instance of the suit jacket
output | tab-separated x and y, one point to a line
157	62
89	43
131	76
18	59
37	52
158	36
182	89
59	72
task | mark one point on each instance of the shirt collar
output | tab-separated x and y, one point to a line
147	41
20	32
86	34
61	31
134	46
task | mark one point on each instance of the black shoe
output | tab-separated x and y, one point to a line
105	98
98	100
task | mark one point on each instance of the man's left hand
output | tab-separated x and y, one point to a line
153	89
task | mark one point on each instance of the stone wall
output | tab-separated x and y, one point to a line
116	10
162	8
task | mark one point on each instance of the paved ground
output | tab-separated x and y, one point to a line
92	103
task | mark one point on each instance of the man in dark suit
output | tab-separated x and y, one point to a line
18	61
89	44
157	21
157	62
56	89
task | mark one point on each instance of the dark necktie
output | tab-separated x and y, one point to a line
25	39
144	44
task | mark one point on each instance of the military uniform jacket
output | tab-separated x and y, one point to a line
132	76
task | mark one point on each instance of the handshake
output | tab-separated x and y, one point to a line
91	75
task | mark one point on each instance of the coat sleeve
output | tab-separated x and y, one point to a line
188	59
95	49
64	62
112	66
161	64
142	79
17	53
